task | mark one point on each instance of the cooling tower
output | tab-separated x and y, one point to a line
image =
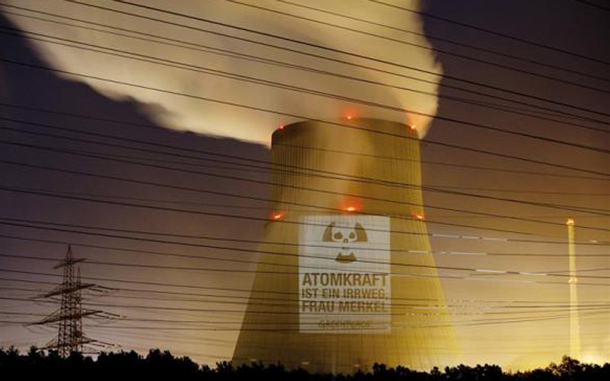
346	278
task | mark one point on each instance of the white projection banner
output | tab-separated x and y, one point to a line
344	274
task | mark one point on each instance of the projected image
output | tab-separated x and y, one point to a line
344	274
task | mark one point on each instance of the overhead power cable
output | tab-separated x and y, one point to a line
460	44
492	32
472	58
527	108
276	312
311	44
232	195
247	217
258	242
322	258
175	201
325	122
182	25
285	86
242	250
228	293
414	308
411	252
253	251
204	287
314	173
344	152
594	5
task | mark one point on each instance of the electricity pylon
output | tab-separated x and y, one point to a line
70	337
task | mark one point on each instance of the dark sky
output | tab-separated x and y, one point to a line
568	25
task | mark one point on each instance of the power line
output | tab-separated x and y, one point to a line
284	86
594	5
248	292
315	55
420	46
445	40
305	43
422	309
488	305
492	32
265	60
282	254
191	309
332	175
202	287
234	206
273	272
359	154
323	174
260	242
403	325
226	194
172	337
145	335
325	122
251	218
141	125
398	264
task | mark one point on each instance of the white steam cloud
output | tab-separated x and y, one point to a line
210	118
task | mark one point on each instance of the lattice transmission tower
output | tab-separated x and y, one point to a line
69	316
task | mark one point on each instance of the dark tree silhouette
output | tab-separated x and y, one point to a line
163	365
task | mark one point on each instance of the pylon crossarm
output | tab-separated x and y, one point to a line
110	315
55	317
68	262
67	290
55	345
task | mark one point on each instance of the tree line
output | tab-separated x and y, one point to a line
159	364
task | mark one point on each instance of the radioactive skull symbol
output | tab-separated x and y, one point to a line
345	236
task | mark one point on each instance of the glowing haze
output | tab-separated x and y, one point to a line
182	113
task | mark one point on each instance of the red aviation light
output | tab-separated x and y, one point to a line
277	215
281	127
349	114
350	204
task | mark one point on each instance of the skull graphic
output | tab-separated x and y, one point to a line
345	236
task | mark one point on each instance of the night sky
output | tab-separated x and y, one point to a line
214	139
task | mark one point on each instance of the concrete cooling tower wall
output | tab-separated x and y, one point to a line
335	288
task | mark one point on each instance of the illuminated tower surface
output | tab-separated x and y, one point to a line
346	278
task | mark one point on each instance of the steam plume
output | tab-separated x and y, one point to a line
210	118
